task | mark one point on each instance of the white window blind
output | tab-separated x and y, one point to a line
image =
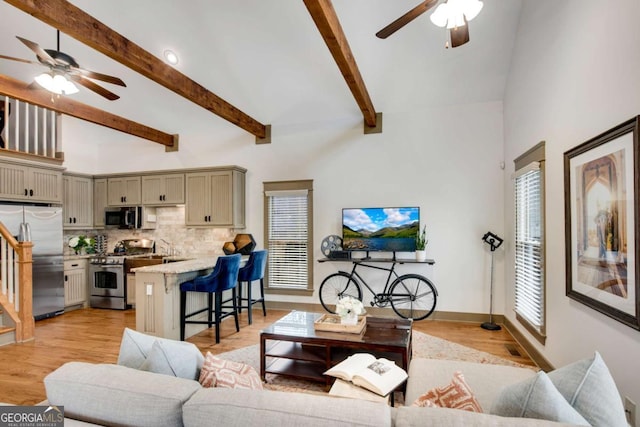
529	292
288	239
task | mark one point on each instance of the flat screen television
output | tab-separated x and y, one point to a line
380	229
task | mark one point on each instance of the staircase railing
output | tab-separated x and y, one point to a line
28	129
16	283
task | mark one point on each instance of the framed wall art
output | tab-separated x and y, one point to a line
601	223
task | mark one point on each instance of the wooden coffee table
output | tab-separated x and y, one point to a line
291	346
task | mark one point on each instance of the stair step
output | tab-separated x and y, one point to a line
6	329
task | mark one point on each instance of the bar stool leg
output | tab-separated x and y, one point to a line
235	309
264	309
249	303
218	309
239	297
183	305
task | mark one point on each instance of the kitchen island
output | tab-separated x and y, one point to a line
158	296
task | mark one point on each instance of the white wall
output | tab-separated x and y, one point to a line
446	161
574	75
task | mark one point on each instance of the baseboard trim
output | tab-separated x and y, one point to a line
533	353
377	311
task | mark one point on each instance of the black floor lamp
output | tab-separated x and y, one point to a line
494	242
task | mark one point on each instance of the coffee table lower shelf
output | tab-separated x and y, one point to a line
297	368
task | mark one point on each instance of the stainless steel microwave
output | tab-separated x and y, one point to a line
130	217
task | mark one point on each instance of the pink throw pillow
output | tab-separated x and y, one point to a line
456	395
216	372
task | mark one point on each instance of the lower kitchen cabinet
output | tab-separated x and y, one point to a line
75	282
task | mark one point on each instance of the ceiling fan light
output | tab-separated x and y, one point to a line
45	80
57	84
441	15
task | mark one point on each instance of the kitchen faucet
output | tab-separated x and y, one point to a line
170	247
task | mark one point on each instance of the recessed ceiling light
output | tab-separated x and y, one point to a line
171	57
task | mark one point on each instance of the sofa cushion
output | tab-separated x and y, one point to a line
410	416
538	398
217	372
237	407
485	380
455	395
160	355
118	395
588	386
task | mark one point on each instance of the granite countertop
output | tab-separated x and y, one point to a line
202	263
179	266
74	257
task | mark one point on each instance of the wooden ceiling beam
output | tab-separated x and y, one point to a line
63	104
76	23
324	15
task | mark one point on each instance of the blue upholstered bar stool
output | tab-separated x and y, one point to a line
252	271
223	277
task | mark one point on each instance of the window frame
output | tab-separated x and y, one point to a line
535	155
284	186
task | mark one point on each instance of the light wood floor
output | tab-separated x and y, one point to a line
93	335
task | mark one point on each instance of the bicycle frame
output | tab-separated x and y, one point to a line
376	296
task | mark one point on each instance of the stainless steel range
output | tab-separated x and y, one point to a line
107	274
108	287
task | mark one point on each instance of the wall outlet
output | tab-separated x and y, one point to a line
150	292
630	411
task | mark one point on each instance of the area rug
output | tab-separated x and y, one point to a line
424	345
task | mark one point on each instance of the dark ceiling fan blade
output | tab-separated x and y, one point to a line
40	52
405	19
99	76
459	35
26	61
94	87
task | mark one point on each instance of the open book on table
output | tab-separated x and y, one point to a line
378	375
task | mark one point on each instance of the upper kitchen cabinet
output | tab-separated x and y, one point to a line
124	191
22	182
216	198
160	190
100	201
78	202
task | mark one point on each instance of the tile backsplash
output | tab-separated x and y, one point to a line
185	241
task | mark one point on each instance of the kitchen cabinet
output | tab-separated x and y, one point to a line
77	202
100	201
159	190
124	191
75	282
215	198
23	182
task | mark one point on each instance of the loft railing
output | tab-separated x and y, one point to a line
16	283
28	129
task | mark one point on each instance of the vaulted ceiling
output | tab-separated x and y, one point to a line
268	58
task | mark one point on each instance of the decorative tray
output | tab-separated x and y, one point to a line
331	323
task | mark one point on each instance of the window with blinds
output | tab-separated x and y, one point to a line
529	254
287	231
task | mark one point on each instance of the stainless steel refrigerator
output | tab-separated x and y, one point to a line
45	224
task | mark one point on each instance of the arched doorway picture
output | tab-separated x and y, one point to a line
600	227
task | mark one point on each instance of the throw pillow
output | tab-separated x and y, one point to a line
537	398
456	395
588	386
217	372
134	348
160	355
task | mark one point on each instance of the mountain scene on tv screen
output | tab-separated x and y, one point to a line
380	229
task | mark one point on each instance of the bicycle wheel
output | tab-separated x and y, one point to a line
413	296
336	286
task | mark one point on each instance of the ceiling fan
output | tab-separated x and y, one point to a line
453	14
64	70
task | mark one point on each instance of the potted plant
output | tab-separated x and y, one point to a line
421	244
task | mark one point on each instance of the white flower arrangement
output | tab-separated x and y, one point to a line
348	305
79	242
